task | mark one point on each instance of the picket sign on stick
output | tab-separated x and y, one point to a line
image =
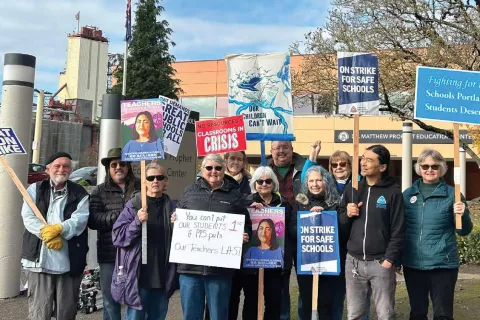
315	297
456	170
22	190
144	205
261	276
356	141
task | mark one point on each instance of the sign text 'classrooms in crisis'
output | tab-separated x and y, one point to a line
447	95
220	135
9	143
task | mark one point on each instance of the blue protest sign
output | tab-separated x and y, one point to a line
357	83
317	244
447	95
9	143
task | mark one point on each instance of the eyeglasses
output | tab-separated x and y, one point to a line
281	148
160	177
210	168
114	165
428	166
341	164
267	181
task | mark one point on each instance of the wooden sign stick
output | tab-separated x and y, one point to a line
356	142
261	276
456	171
144	205
315	297
22	190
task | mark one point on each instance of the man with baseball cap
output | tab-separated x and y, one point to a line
106	203
55	254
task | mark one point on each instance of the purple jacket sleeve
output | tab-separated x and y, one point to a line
127	229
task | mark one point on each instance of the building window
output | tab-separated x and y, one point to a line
222	107
314	104
204	105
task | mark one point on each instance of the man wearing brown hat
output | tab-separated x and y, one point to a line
55	254
106	203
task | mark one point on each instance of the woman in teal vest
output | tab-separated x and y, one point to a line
430	256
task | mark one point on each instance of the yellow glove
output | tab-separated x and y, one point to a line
55	243
50	231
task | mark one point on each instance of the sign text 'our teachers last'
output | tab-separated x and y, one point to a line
220	135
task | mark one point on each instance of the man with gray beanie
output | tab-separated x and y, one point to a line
55	254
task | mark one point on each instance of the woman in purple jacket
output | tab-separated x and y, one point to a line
144	288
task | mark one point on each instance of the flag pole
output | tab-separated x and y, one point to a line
125	58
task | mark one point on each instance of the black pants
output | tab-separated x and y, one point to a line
439	283
326	285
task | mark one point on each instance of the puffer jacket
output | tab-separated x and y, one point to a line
227	199
106	203
430	241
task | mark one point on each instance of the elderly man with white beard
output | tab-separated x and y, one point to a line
55	254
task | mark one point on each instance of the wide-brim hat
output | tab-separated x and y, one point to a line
115	153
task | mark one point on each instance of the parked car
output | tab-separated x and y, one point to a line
87	174
36	172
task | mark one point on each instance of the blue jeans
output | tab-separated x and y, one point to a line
194	289
154	303
111	308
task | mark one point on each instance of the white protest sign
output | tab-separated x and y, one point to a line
175	118
207	238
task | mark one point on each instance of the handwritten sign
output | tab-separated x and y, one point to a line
9	143
318	243
207	238
175	119
220	135
266	246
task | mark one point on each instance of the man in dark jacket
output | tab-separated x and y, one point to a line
287	166
376	214
106	203
55	254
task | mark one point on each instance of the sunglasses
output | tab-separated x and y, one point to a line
428	166
122	164
341	164
210	168
160	177
267	181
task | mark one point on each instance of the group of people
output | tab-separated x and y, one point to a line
380	231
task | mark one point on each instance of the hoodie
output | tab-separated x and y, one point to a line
379	230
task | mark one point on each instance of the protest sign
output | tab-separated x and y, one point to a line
220	135
259	88
207	238
357	83
267	244
447	95
142	129
175	118
9	143
317	245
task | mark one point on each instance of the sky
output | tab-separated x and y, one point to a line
202	30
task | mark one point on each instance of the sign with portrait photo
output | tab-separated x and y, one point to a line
266	247
142	129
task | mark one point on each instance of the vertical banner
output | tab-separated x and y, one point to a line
267	245
220	135
175	118
142	129
358	83
259	88
317	245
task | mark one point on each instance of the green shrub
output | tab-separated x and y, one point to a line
469	247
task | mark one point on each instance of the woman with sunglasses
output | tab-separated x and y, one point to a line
216	192
145	288
319	193
265	193
430	255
